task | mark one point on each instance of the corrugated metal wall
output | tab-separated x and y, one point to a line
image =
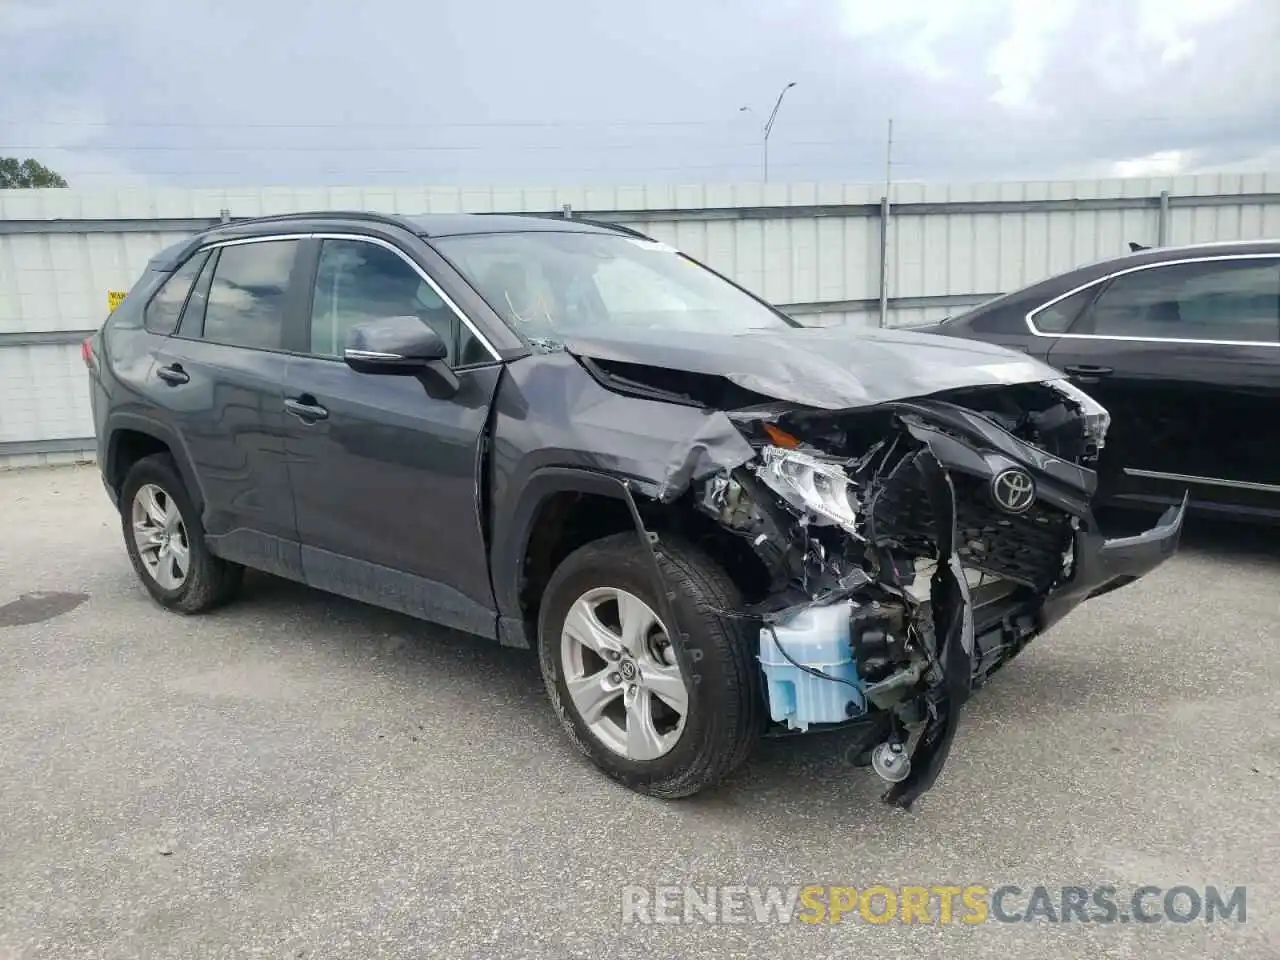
812	248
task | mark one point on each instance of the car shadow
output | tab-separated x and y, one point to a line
487	672
367	633
1232	541
360	636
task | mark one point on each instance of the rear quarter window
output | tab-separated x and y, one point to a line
165	306
1002	316
128	313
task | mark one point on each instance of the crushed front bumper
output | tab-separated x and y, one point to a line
973	645
1103	565
1005	624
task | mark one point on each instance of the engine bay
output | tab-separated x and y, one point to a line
897	549
877	527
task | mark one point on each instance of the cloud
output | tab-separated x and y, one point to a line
1169	24
579	92
52	108
62	139
1162	163
1019	59
18	18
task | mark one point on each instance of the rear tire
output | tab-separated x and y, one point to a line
165	540
724	709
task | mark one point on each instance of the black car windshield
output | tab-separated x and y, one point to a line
548	285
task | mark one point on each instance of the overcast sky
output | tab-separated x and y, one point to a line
309	92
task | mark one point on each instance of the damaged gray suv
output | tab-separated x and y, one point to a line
712	525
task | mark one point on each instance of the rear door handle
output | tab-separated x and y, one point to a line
306	409
173	374
1088	370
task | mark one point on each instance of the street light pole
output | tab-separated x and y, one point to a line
768	128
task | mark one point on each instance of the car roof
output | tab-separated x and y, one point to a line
431	226
1033	294
1099	269
1149	255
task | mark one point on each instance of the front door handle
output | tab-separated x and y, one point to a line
305	408
1088	370
173	374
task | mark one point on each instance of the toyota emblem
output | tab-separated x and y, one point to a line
1013	490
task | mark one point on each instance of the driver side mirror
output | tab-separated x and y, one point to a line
399	346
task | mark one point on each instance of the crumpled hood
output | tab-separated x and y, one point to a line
828	368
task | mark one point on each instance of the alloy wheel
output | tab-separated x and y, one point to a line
160	535
622	674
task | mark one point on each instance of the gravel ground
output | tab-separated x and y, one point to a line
300	776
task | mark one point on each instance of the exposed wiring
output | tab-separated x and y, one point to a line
768	625
812	671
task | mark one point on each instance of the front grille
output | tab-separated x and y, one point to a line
1025	548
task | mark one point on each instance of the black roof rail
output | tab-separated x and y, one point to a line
369	215
617	227
602	224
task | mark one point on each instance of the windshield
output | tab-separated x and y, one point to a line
548	285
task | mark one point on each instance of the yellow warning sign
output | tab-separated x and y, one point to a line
113	299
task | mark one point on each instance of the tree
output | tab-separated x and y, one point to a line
27	173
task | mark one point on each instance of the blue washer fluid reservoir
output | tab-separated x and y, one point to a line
816	637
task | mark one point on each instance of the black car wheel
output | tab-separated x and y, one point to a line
165	540
665	713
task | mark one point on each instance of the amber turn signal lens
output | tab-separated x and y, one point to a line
781	437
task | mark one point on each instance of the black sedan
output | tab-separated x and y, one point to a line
1182	345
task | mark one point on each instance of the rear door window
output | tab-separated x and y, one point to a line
1058	317
162	312
1209	300
247	294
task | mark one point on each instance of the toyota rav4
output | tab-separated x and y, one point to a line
711	523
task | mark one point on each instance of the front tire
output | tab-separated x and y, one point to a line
165	540
665	714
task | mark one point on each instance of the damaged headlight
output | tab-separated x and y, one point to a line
1097	421
812	484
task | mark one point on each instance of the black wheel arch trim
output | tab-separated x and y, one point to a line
137	423
513	527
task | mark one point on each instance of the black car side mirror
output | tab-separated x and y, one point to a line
400	346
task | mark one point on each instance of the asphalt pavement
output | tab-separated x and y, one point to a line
301	776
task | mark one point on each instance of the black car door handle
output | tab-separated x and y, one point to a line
306	409
1088	370
173	374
